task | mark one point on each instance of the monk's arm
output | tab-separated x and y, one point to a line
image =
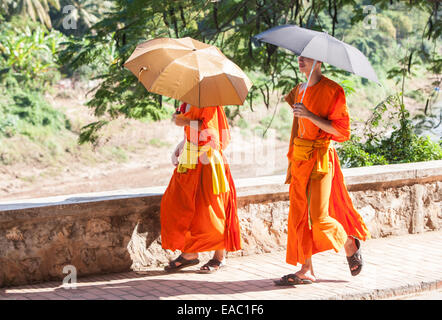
182	121
324	125
301	111
179	147
176	153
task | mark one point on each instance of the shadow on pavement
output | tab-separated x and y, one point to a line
132	285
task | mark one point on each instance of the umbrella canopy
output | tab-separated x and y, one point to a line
190	71
320	46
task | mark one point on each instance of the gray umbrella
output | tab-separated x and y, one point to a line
319	46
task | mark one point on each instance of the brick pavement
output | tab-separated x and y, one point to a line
394	266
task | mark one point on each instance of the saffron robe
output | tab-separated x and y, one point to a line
193	217
321	213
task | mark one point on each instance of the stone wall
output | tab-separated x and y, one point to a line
119	231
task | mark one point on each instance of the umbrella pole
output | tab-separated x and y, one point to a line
303	94
308	80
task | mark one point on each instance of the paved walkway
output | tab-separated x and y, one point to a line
404	265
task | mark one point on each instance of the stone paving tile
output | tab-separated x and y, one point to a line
396	264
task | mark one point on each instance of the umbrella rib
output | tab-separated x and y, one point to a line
349	60
233	85
199	81
167	66
140	56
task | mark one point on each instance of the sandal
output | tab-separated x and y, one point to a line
284	281
211	266
184	263
356	260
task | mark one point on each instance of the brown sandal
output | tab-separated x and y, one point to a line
184	263
356	260
291	280
211	266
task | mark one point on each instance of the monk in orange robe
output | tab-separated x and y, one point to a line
321	214
198	208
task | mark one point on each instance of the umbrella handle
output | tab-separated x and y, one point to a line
139	73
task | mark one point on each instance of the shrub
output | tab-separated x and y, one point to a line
28	54
22	109
401	145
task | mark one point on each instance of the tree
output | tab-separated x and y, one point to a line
228	24
85	13
32	8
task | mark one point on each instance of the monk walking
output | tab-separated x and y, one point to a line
321	214
198	208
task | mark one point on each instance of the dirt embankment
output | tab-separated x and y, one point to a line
131	154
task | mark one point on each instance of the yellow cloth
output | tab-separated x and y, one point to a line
303	150
189	159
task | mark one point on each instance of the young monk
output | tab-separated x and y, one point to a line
198	208
321	214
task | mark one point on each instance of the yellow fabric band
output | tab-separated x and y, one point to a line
189	160
303	150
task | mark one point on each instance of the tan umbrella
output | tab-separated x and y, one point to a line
190	71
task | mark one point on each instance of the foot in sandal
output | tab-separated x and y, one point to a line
354	256
291	280
303	276
212	265
183	261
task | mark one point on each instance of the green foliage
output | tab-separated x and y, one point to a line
158	143
230	25
8	124
281	122
35	9
119	154
352	153
348	86
89	132
67	16
386	28
400	145
26	112
23	109
242	123
28	66
79	16
404	26
28	55
232	112
108	32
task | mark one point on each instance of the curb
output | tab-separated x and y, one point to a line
391	293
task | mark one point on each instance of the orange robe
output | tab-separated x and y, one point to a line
321	213
193	218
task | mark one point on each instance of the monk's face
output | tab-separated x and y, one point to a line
305	65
